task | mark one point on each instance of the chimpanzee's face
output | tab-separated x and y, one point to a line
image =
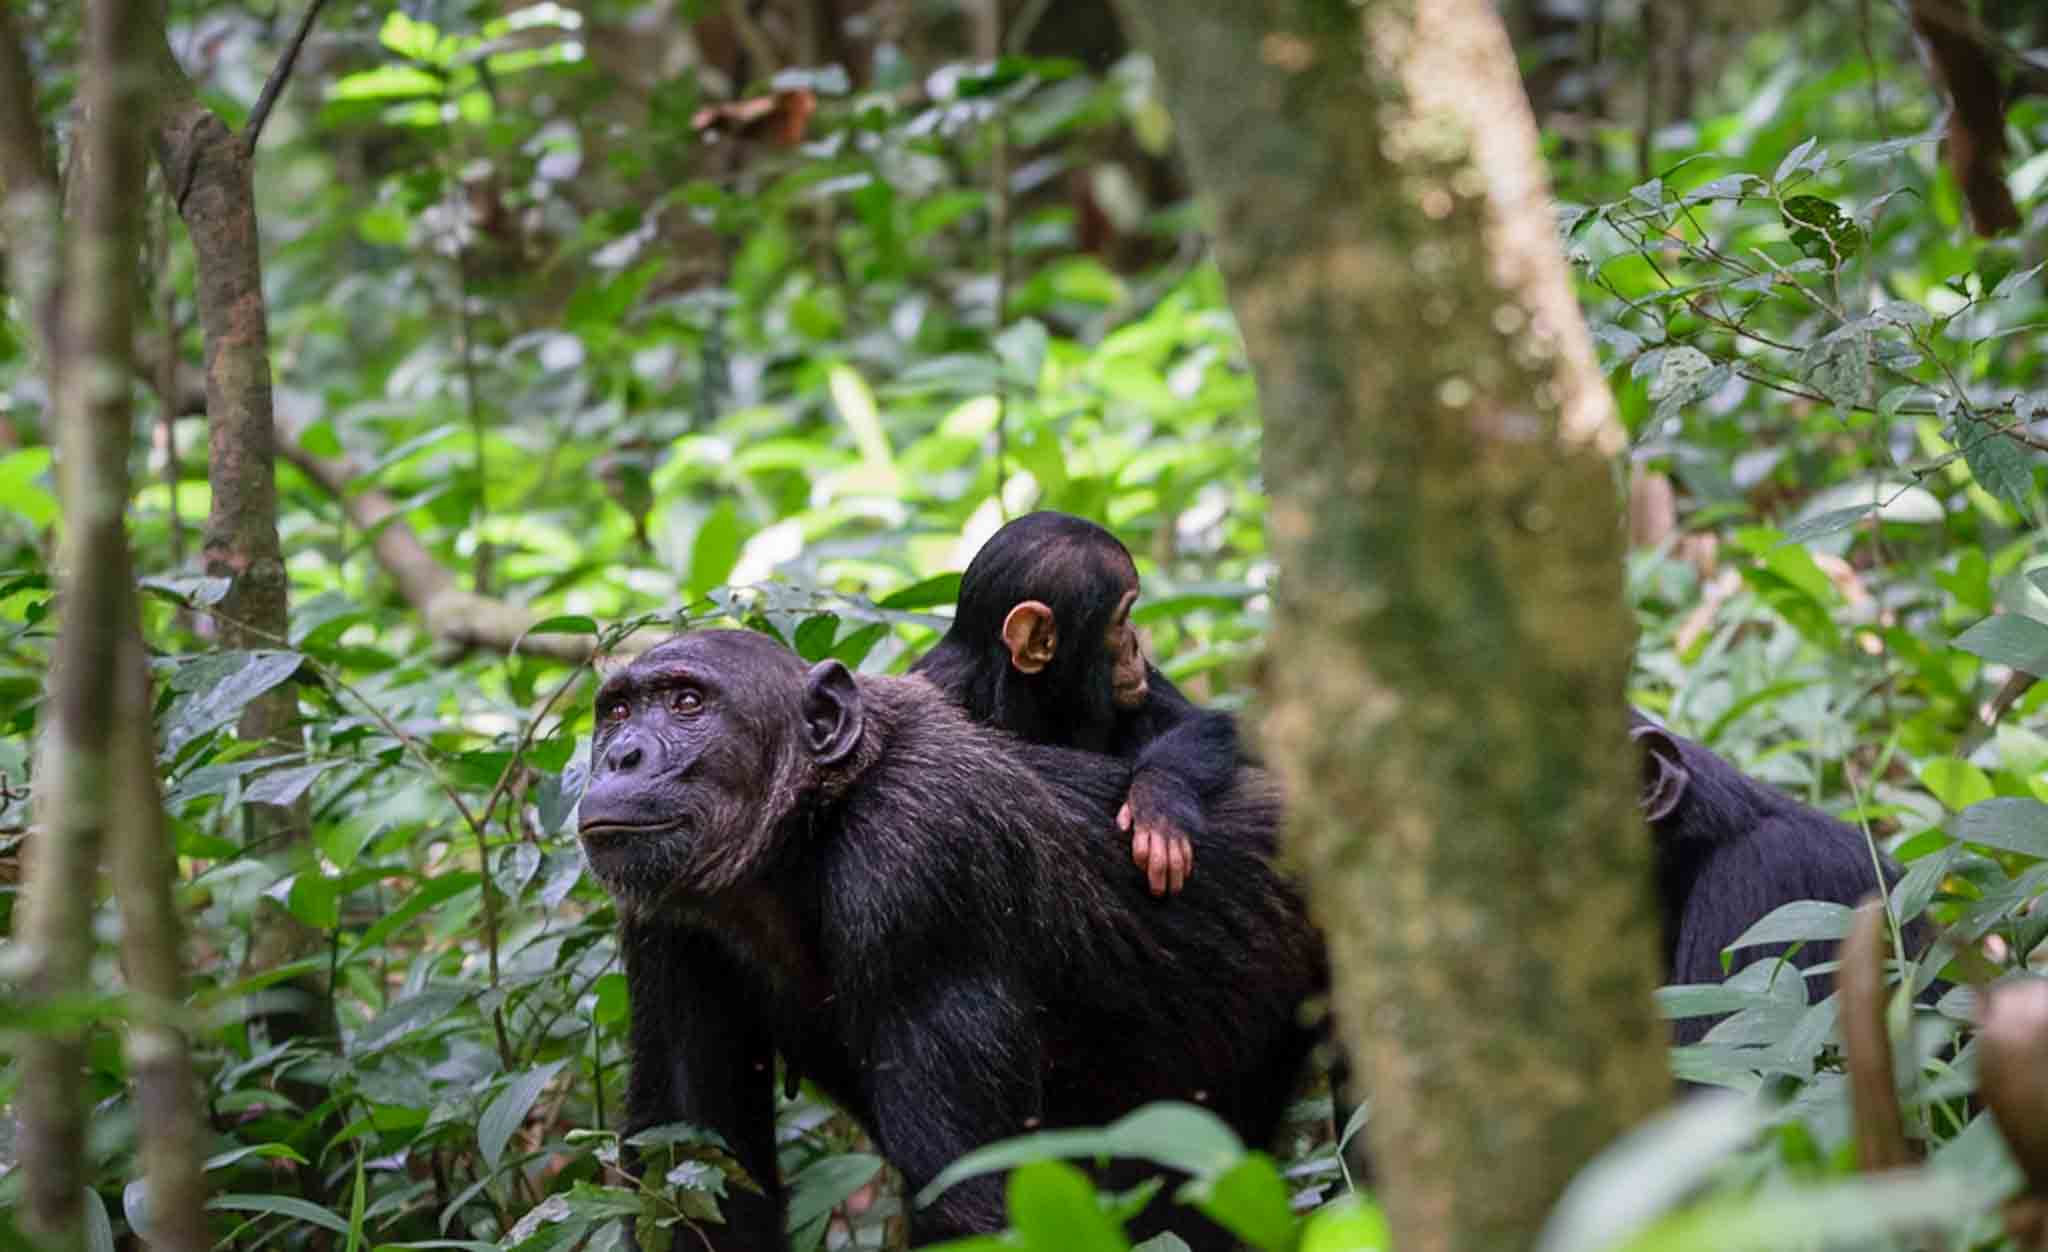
693	765
1127	683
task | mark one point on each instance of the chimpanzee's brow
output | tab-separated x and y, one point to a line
632	681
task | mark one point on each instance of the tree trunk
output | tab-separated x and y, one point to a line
96	775
207	171
1450	645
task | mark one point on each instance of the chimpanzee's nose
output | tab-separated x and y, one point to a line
625	754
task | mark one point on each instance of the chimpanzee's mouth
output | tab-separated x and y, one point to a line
613	832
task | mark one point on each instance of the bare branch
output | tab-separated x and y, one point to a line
280	73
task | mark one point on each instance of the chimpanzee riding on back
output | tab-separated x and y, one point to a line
1042	646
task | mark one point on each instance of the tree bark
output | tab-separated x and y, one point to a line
208	176
1450	646
96	775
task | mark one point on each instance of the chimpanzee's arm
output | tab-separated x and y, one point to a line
1185	755
954	1069
700	1055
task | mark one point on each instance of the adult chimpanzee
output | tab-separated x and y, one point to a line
1729	850
922	914
1042	646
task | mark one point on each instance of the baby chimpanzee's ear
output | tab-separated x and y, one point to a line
1029	633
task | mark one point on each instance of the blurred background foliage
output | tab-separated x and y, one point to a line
643	307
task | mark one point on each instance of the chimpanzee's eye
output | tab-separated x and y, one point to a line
615	712
686	701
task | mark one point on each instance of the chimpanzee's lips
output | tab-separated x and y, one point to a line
610	831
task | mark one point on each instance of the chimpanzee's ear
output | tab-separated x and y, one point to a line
833	720
1029	634
1665	777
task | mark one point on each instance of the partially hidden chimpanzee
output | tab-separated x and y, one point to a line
1728	851
923	916
1042	646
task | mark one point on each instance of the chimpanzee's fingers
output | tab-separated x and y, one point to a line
1160	871
1123	816
1183	861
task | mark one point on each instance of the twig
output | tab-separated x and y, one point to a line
279	73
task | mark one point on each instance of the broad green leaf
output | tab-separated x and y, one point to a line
386	82
99	1229
567	624
930	593
813	638
1955	782
1053	1206
716	547
280	1206
2001	466
508	1109
855	404
1839	367
1179	1136
2009	823
278	1151
819	1188
1350	1223
21	489
2008	639
218	685
1802	921
1250	1199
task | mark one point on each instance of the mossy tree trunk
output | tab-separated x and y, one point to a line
1450	644
96	785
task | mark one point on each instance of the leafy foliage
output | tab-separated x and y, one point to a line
615	357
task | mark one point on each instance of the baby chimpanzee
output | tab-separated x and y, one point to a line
1042	646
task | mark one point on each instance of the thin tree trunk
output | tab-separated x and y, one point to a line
90	361
1450	645
207	172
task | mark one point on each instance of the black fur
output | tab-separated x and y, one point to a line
1729	850
934	921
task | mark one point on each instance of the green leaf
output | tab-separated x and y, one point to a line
1820	229
280	1206
1955	782
279	1151
431	893
1179	1136
855	403
508	1108
2008	823
2008	639
99	1229
1250	1199
1839	367
355	1208
1802	921
813	638
567	624
2000	465
218	685
854	649
716	547
1053	1206
386	82
819	1188
929	594
1350	1223
1827	523
21	489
